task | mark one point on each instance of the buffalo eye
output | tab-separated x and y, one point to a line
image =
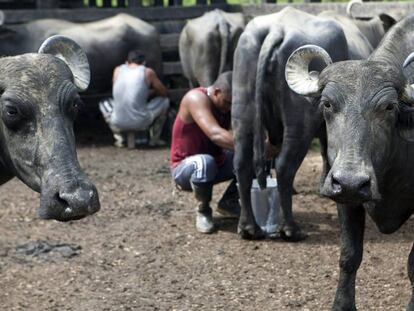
389	107
75	105
326	104
11	111
11	115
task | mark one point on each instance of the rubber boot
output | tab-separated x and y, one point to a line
204	213
119	140
156	130
229	203
118	136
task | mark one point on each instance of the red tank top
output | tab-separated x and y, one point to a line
188	139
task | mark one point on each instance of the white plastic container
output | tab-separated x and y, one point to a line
265	205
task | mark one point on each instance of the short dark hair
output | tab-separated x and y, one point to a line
136	56
224	81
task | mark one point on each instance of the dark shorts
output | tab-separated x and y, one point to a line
202	170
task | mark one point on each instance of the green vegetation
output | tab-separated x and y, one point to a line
315	145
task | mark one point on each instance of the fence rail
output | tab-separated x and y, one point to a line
55	4
150	14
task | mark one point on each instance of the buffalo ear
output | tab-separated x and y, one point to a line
72	54
387	21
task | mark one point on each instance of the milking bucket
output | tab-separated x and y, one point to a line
265	205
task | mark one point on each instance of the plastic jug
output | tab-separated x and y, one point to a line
265	205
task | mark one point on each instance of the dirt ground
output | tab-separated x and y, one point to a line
141	251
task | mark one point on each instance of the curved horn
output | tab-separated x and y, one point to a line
408	71
350	5
297	74
408	68
72	54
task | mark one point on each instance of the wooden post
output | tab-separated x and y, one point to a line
106	3
71	4
47	4
131	140
175	2
134	3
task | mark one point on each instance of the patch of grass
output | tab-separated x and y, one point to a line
315	145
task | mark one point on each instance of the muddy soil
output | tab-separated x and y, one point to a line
141	252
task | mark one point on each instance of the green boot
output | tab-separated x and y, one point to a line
204	213
156	130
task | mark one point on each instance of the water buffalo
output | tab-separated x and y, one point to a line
374	28
38	103
262	101
368	109
207	45
106	42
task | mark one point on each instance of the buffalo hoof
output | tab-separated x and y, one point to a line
293	234
251	233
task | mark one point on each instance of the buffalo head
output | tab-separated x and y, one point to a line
38	103
366	106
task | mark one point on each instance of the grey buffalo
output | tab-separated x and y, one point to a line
38	103
106	42
374	28
207	45
264	104
368	109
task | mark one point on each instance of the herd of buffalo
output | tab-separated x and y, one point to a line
296	76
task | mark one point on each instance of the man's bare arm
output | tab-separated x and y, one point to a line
200	111
115	74
155	83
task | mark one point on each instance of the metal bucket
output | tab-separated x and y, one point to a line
265	205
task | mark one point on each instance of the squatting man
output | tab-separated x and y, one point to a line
202	149
140	100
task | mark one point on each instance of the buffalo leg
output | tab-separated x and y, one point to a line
242	111
243	159
410	267
352	221
291	156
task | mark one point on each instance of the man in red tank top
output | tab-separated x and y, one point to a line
201	149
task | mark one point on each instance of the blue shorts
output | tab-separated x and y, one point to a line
202	170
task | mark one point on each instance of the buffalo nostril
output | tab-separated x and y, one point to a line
336	185
365	186
60	200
